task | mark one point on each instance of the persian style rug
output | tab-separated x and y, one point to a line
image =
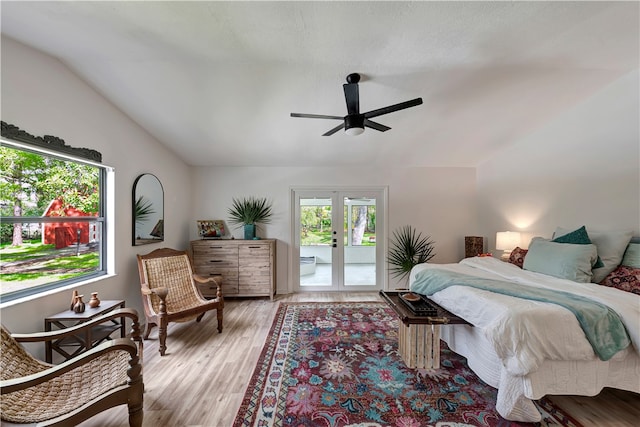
337	365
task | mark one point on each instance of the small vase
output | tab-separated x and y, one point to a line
74	296
94	301
79	306
249	231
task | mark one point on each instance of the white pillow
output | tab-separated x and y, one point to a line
610	245
563	260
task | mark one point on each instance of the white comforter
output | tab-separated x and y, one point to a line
527	335
524	332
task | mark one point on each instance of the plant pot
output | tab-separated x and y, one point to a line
249	231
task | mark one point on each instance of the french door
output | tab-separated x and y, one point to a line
339	239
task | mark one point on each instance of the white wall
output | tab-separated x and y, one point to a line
439	202
583	168
41	96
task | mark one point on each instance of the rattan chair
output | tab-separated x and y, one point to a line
170	293
40	394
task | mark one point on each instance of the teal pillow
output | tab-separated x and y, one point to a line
632	256
563	260
578	237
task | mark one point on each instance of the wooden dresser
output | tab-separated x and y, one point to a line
247	267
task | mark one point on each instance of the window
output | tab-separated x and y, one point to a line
53	208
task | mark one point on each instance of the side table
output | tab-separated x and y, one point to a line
79	343
419	336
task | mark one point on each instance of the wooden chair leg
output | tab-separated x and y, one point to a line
147	329
136	389
162	336
136	417
135	405
162	328
219	316
199	318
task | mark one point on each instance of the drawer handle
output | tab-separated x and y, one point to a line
215	247
215	260
255	247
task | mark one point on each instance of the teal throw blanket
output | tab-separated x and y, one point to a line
602	326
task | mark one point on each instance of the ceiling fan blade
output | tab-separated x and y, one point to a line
352	98
376	126
316	116
392	108
334	130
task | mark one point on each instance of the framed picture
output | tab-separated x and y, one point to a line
210	228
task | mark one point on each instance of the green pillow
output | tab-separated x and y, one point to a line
632	256
563	260
578	237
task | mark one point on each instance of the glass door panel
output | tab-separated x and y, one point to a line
359	261
316	246
336	240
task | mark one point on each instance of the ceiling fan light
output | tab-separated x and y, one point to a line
353	131
354	124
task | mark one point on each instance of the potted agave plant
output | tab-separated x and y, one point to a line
408	249
248	213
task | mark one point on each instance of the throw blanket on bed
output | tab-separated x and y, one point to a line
602	326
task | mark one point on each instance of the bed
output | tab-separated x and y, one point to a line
529	348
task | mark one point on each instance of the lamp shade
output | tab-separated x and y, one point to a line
507	240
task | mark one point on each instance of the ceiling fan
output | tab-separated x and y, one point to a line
355	122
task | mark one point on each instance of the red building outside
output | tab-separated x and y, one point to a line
64	234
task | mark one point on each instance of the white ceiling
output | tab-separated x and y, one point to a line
216	81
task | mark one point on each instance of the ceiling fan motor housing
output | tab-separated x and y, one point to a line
353	78
354	121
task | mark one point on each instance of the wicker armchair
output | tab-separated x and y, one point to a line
170	293
41	394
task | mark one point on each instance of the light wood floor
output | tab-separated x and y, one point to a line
202	378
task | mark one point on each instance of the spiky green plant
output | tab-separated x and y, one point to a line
250	210
143	209
408	249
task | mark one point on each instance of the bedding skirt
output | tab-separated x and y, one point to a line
561	377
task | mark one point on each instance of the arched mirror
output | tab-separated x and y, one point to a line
148	210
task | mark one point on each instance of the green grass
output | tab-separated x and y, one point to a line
25	251
33	277
316	238
43	263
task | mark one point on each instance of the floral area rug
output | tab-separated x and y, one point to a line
337	365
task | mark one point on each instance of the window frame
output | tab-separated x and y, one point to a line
53	147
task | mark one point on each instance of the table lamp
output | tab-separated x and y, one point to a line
507	241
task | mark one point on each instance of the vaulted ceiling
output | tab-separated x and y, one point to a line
216	81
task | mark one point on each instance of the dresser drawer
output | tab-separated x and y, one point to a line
208	290
211	291
204	254
255	251
247	267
